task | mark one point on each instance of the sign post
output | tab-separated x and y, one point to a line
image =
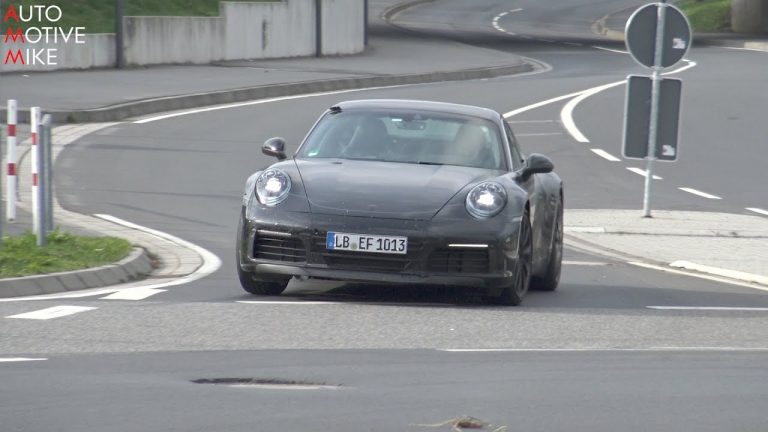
658	35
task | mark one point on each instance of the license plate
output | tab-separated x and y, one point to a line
366	243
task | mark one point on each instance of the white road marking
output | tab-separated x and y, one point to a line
758	210
282	302
211	262
584	229
516	10
709	308
643	173
80	294
566	114
746	49
585	263
138	293
596	349
605	155
52	312
733	274
610	50
699	193
541	104
20	359
699	275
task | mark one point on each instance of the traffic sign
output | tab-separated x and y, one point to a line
641	29
637	118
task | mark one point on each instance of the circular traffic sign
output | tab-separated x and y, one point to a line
640	35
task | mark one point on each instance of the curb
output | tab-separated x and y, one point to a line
136	265
172	103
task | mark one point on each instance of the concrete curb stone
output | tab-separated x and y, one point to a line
132	267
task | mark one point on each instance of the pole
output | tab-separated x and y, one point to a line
653	129
34	113
48	171
318	28
39	216
10	158
119	54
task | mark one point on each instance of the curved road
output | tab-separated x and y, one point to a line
590	357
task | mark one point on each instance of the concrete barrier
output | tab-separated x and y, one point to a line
243	30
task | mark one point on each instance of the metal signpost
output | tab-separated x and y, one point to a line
658	35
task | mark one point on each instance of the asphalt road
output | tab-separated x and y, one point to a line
593	356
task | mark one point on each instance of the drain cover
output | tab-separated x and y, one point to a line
267	383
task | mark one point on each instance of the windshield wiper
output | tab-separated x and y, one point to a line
429	163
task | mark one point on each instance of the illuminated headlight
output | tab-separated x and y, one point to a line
272	187
486	200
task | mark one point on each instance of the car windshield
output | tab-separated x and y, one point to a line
407	136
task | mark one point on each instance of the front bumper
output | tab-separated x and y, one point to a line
276	244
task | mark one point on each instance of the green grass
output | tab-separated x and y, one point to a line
98	16
707	15
20	256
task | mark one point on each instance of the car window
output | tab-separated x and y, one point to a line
514	150
408	136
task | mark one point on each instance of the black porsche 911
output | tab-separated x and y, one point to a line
404	192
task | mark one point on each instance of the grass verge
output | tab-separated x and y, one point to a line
707	15
98	16
20	256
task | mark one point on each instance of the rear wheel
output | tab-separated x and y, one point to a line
550	279
513	294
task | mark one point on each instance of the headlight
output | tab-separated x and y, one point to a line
486	200
272	187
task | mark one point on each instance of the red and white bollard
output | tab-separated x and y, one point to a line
11	162
34	113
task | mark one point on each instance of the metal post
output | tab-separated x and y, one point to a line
365	22
119	54
10	159
318	28
34	153
48	170
2	214
39	216
653	129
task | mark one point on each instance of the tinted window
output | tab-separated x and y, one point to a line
407	136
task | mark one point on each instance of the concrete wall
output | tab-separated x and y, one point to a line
749	16
97	51
243	30
343	26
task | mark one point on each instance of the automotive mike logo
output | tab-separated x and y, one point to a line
36	39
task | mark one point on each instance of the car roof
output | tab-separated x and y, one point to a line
405	104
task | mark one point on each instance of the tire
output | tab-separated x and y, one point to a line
550	280
513	294
259	287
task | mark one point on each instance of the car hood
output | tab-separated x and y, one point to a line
383	189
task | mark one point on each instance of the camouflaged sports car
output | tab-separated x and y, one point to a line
404	192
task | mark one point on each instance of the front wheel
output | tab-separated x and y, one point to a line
513	294
259	287
550	279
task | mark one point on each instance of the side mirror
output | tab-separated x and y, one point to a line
537	164
274	147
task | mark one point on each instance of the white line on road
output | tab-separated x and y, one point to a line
643	173
566	114
281	302
699	193
585	263
699	275
746	49
733	274
605	155
610	50
20	359
139	293
709	308
648	349
52	312
585	229
758	210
